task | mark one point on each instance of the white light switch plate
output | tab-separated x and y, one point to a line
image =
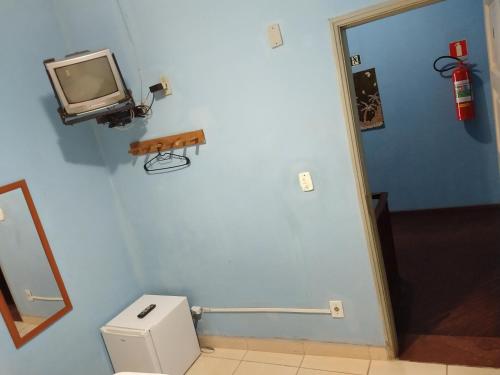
274	36
305	181
2	215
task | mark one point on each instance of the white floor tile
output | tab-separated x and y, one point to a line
307	371
345	365
213	366
254	368
226	353
405	368
276	346
293	360
242	362
458	370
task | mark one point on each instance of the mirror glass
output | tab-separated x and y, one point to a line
32	291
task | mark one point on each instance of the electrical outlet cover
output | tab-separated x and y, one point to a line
167	87
305	181
337	309
274	36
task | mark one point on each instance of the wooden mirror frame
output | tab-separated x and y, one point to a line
4	308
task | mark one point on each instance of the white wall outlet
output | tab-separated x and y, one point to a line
167	87
337	309
2	215
274	36
305	181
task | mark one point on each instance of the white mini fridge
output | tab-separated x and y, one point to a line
163	341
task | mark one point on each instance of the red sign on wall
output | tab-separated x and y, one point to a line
458	48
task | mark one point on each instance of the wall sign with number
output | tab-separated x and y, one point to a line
355	60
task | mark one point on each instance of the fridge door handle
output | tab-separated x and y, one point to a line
123	332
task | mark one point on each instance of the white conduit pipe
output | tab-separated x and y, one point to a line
49	299
33	298
262	310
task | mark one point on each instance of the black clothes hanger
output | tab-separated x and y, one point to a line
165	162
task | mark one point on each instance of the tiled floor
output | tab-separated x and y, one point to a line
243	362
28	323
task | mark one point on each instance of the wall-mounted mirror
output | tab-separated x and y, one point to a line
32	295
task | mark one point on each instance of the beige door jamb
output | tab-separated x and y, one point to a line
494	68
342	59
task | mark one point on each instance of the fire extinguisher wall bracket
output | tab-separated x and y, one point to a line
462	87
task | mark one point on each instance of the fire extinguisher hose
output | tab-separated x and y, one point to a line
447	67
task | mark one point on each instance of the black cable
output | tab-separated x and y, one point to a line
151	105
447	67
142	110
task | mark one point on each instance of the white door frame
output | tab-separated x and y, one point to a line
494	71
342	59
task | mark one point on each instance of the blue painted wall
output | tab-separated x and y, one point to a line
424	157
235	229
70	186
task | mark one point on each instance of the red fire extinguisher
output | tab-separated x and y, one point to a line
462	87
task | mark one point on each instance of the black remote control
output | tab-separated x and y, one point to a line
146	311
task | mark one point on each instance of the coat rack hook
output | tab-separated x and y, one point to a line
193	138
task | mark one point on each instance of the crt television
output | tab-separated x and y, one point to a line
87	82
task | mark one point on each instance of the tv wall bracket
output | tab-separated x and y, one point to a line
119	115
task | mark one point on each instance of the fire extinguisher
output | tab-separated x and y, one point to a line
462	86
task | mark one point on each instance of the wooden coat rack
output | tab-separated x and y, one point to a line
170	142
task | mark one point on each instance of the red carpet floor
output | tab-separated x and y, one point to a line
456	350
449	263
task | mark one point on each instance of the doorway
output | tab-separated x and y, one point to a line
433	235
9	299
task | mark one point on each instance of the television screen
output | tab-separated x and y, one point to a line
87	80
